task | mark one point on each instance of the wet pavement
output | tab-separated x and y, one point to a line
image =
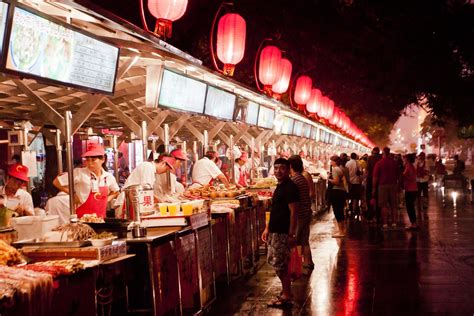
370	272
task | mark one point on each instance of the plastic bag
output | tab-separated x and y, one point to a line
295	265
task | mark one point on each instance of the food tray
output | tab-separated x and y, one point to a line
49	244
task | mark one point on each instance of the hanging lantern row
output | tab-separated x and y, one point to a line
274	71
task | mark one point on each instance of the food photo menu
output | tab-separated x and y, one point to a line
41	48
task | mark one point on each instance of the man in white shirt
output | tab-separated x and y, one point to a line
205	171
12	195
144	173
355	188
161	181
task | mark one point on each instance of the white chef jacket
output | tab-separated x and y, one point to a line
144	173
21	198
204	171
59	205
161	185
83	178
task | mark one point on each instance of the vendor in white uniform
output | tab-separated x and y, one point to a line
94	187
12	195
205	171
144	173
160	179
240	170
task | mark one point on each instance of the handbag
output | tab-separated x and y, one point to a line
295	265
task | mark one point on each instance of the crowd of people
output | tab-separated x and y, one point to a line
372	188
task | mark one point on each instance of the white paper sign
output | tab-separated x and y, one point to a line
28	158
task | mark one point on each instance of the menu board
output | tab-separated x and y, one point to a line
252	113
42	49
266	117
182	93
287	125
3	22
307	131
219	103
298	128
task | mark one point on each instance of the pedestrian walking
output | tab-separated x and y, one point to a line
373	211
385	183
422	180
411	188
355	187
279	234
304	212
338	195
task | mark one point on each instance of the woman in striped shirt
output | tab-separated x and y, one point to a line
304	211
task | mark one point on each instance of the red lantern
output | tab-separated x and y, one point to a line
313	105
329	109
335	117
231	41
304	85
269	70
322	111
281	85
166	11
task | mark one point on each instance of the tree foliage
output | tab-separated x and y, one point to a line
373	58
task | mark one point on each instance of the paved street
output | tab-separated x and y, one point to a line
371	272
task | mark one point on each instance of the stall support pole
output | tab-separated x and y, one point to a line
114	147
59	151
166	140
252	157
195	152
206	142
144	141
184	149
70	171
231	154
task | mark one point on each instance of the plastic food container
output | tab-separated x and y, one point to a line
187	208
197	205
31	227
173	208
102	242
163	207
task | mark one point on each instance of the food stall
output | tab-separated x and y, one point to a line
147	94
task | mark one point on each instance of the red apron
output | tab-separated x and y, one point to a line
96	203
242	178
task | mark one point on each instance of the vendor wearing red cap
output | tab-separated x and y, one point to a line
93	185
205	171
160	179
12	194
145	173
240	170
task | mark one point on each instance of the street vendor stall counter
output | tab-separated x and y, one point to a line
172	271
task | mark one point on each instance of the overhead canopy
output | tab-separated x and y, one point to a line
26	99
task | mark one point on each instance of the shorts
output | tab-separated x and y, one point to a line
355	191
278	254
302	231
387	196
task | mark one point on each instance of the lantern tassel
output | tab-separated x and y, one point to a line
163	28
228	70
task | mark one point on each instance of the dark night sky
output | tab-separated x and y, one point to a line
371	57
